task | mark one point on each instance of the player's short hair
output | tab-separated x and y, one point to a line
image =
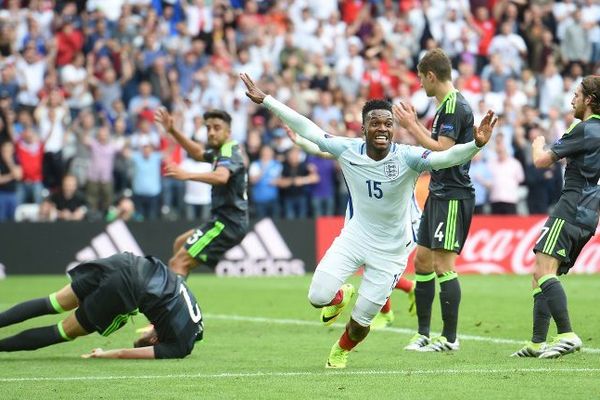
375	104
219	114
436	61
590	87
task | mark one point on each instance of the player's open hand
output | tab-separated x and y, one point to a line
95	353
174	171
405	114
483	133
253	92
163	118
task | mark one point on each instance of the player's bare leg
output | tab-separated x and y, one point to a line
180	240
182	263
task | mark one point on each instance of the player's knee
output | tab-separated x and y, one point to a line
422	265
323	288
319	296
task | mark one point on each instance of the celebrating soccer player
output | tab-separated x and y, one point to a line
380	177
104	294
229	222
385	317
449	206
571	224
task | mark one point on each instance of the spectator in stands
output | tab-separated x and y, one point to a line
145	133
10	175
507	175
264	174
74	78
496	73
575	44
68	204
30	153
322	193
69	42
123	209
296	175
510	47
172	190
481	176
543	184
99	186
31	68
197	196
145	100
52	116
9	84
182	53
146	180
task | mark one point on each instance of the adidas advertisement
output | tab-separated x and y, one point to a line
262	252
270	247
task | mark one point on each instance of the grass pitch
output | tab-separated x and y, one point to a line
263	341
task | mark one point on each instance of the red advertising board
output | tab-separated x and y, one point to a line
496	245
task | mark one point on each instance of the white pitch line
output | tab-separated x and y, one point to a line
407	372
474	338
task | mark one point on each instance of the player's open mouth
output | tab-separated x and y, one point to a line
381	139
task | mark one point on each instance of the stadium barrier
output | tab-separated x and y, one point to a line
495	245
281	247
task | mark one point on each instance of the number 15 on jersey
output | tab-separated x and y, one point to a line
374	188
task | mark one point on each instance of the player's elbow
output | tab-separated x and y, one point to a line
182	352
221	180
197	156
542	162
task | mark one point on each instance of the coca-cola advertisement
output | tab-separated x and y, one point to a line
495	245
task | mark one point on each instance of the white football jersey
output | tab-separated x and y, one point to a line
380	192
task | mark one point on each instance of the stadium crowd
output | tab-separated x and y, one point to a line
80	82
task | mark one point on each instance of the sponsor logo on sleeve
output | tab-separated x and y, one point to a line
446	128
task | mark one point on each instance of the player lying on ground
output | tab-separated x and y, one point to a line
385	317
105	293
380	177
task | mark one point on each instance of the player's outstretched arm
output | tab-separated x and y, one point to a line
220	176
135	353
457	154
461	153
297	122
306	145
164	119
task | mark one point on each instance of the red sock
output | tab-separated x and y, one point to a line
339	296
406	285
387	306
346	343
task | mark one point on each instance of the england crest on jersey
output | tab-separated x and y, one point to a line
391	170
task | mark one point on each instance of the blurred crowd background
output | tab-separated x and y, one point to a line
80	81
